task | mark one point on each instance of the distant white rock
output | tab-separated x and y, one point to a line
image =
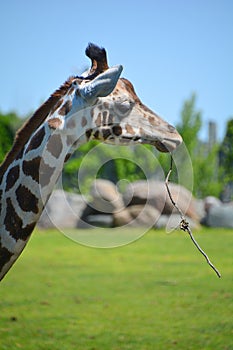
155	194
138	215
63	210
105	197
220	216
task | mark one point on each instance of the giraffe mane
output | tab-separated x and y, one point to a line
24	133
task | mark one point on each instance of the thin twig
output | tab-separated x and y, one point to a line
184	225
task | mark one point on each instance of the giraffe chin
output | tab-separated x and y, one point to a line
161	147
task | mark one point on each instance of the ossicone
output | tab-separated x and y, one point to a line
98	58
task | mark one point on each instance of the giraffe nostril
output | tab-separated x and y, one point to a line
117	130
171	128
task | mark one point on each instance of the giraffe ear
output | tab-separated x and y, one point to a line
103	84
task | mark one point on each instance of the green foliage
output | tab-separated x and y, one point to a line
204	159
190	124
99	160
157	293
226	163
9	123
226	153
206	172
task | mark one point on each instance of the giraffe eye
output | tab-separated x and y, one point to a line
77	82
124	107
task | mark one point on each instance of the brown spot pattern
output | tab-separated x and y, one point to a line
129	129
38	170
110	119
55	146
12	177
117	130
45	173
20	154
88	133
36	140
153	121
27	230
84	121
64	110
69	140
67	157
31	168
106	133
13	222
71	123
98	120
27	200
93	112
5	255
96	134
105	115
54	123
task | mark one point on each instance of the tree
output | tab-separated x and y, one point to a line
190	124
189	127
9	123
226	161
204	160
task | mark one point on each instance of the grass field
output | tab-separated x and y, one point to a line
157	293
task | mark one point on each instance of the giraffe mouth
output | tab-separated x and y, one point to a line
123	135
161	146
165	145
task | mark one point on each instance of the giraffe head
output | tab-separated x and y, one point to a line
117	114
120	117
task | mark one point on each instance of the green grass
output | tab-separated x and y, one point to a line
157	293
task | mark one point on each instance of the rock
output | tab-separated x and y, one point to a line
103	220
63	210
219	216
211	201
199	205
155	194
105	197
136	216
122	217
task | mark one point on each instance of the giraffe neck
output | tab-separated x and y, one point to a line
29	180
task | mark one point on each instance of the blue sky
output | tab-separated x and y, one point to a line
169	49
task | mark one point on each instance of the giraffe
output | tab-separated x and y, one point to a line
97	105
